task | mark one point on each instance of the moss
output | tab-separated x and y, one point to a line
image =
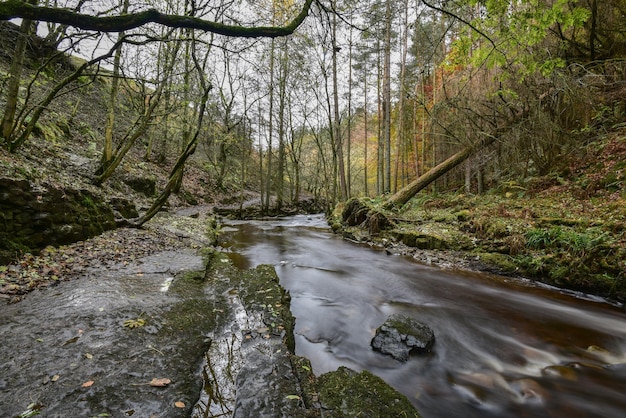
88	202
260	290
501	261
196	276
421	240
463	215
346	393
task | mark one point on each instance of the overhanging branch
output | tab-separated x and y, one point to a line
12	9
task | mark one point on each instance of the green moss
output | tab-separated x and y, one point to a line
421	240
88	202
501	261
260	290
196	276
346	393
463	215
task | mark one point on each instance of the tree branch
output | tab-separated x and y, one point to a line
11	9
465	22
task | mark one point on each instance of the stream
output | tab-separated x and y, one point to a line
504	347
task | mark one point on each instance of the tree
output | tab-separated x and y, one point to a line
15	76
405	194
107	149
387	97
112	23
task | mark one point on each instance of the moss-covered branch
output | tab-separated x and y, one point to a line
11	9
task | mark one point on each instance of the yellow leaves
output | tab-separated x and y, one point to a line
134	323
88	384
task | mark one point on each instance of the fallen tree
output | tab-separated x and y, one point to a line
406	193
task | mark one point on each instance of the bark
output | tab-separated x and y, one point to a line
11	9
15	76
405	194
387	99
107	151
338	142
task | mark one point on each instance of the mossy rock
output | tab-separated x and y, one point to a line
501	261
420	240
144	185
261	290
346	393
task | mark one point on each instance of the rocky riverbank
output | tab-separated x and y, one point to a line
582	250
155	322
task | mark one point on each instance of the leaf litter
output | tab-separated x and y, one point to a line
106	251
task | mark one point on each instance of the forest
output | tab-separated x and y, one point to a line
312	207
333	100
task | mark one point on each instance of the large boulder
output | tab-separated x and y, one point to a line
401	335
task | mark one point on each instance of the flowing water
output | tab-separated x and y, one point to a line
504	347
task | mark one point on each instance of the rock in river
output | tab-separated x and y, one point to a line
400	335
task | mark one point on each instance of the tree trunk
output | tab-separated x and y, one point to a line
365	180
341	172
387	99
15	76
401	146
405	194
107	150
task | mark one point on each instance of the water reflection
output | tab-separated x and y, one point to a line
503	348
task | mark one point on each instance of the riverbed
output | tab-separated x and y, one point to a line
505	347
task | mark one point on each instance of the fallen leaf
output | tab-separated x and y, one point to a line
179	404
134	323
88	356
55	378
160	382
88	384
71	340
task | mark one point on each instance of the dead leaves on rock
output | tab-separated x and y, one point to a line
112	249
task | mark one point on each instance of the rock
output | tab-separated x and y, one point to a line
346	393
400	335
144	185
124	207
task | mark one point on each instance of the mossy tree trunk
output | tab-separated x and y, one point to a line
15	77
405	194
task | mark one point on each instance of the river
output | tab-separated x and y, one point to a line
504	347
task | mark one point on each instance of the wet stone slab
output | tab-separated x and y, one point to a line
93	345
